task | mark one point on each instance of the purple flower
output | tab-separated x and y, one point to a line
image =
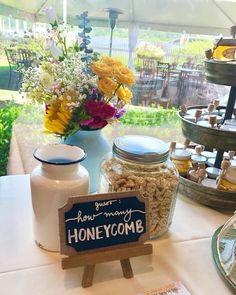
96	95
119	112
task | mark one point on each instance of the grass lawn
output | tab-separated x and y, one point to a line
4	66
4	76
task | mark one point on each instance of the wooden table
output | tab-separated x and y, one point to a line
184	254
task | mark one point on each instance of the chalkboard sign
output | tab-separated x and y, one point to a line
103	221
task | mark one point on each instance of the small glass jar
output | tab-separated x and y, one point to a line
199	159
182	160
228	182
142	163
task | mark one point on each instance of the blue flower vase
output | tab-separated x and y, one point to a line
96	146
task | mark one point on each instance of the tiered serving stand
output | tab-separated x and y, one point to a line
222	140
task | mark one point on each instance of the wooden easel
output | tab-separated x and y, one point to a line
89	260
92	253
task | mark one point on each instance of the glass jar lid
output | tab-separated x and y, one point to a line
198	158
140	148
181	154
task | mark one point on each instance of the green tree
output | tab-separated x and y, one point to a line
192	49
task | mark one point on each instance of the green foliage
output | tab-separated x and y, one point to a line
145	35
157	36
150	116
8	115
149	50
193	49
135	116
145	49
36	44
105	32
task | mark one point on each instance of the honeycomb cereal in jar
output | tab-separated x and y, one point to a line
142	163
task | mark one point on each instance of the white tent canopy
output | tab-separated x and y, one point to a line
191	16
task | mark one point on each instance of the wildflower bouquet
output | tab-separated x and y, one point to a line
80	90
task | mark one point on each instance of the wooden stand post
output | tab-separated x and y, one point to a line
126	268
89	260
87	279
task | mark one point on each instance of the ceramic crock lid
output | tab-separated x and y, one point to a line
140	148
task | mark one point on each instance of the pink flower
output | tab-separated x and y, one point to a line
94	123
107	111
57	86
100	113
98	124
93	107
97	109
87	122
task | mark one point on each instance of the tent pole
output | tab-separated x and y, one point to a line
110	47
9	24
25	26
133	39
17	26
64	13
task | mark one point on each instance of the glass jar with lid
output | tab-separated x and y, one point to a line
142	163
182	160
228	181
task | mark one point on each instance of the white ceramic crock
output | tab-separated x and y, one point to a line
59	176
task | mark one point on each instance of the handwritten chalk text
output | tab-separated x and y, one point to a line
104	231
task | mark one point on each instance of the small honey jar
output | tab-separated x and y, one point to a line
227	178
228	182
182	160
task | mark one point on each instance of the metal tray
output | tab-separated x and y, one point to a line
220	72
210	137
231	282
211	197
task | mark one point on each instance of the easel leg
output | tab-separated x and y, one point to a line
87	279
126	268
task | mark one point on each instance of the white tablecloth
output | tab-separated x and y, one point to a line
184	254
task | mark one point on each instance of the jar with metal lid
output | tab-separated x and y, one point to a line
228	182
182	160
142	163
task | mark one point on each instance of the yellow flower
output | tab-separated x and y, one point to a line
124	94
124	75
57	118
46	80
101	69
107	86
110	61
